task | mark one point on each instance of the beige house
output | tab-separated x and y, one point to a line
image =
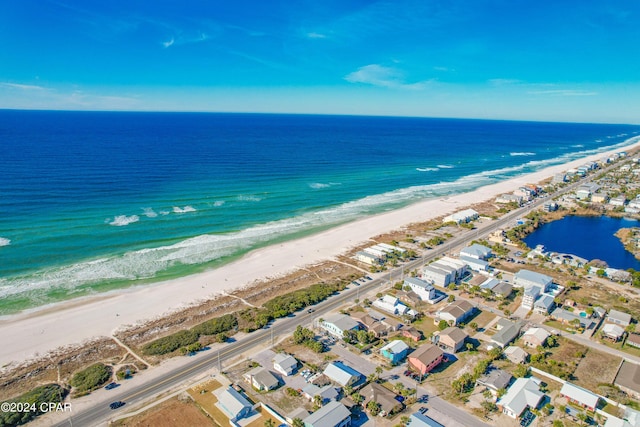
451	339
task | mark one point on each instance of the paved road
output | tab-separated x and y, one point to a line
100	413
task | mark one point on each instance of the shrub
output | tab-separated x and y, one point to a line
44	394
171	343
215	326
91	378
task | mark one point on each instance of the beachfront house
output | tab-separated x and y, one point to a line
234	405
509	198
333	414
369	258
425	358
580	396
338	324
464	216
524	393
395	351
455	313
285	364
342	374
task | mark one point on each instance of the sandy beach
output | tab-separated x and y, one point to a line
36	332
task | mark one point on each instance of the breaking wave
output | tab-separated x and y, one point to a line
218	203
427	169
249	198
4	241
186	209
149	212
320	185
521	153
122	220
446	166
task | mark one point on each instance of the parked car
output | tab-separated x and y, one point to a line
117	404
111	386
311	310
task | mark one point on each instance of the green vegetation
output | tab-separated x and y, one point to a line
251	319
90	378
307	338
46	394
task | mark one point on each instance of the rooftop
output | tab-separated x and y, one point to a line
329	415
580	395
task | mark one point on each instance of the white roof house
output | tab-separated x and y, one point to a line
326	393
342	374
285	364
619	318
395	347
613	331
418	419
535	337
526	279
436	275
424	290
261	379
233	404
392	305
544	304
333	414
579	395
368	258
462	216
474	263
515	354
476	251
337	324
524	393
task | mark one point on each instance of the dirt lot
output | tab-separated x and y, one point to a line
596	368
172	413
203	396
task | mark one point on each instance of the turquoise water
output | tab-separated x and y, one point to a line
96	201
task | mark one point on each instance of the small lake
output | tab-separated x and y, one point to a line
587	237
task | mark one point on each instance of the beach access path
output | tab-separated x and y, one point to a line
37	332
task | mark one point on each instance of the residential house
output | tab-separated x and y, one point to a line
507	332
526	279
368	258
418	419
618	201
495	380
535	337
531	294
515	354
569	318
455	313
300	413
412	333
613	332
333	414
327	393
633	340
395	351
462	216
371	324
451	339
342	374
233	404
338	324
550	207
559	178
425	358
382	396
580	396
392	305
475	264
600	198
477	251
423	289
261	379
459	268
524	393
544	304
409	297
628	379
509	198
502	290
619	318
285	364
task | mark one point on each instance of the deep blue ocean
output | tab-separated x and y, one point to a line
93	201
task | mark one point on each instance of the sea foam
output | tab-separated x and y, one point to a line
149	212
427	169
122	220
186	209
4	241
446	166
521	153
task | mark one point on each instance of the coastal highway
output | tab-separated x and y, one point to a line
100	412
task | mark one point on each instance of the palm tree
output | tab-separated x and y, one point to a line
269	423
297	422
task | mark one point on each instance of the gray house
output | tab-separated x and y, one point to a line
333	414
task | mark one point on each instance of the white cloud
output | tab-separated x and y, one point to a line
314	35
168	43
378	75
505	82
23	87
563	92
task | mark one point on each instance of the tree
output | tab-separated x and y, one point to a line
297	422
474	326
317	400
558	423
488	406
443	324
451	298
357	398
521	371
269	423
582	417
373	408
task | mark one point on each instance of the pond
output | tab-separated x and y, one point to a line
587	237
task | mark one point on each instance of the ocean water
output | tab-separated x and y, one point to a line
588	237
94	201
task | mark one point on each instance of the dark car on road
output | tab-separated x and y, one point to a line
117	404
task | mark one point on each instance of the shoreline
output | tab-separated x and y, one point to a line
37	331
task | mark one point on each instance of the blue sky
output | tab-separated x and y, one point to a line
569	60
